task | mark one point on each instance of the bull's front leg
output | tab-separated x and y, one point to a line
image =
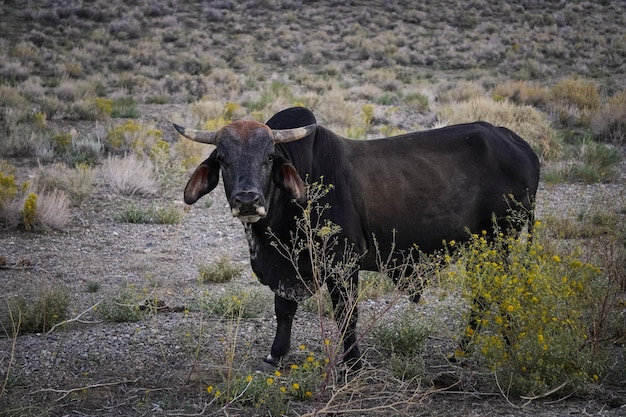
344	299
285	311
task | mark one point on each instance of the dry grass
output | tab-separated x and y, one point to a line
525	120
77	183
608	124
129	175
53	210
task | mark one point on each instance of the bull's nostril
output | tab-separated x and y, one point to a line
247	199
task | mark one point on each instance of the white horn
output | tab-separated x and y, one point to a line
290	135
202	136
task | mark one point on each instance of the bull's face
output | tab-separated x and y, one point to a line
250	167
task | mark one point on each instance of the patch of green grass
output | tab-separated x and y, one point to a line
93	286
123	307
132	213
37	313
402	340
218	271
125	107
233	304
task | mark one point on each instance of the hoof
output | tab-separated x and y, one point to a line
268	365
347	371
265	368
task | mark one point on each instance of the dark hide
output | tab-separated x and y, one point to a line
427	186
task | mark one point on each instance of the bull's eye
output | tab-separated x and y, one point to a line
220	158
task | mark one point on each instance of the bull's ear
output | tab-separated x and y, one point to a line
203	180
287	179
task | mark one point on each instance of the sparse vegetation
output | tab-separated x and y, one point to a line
123	307
219	271
532	310
34	313
130	175
154	214
87	95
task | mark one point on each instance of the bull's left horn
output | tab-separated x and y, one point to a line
290	135
202	136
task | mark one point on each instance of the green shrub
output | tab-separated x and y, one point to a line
123	307
97	108
233	304
271	394
93	286
124	107
166	214
132	136
417	102
219	271
402	340
155	214
37	313
132	214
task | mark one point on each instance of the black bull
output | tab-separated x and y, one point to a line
419	189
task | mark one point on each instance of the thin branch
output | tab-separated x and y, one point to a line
69	391
77	318
544	395
15	329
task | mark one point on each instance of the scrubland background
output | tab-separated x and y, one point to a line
93	230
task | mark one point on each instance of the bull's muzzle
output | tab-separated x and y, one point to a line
248	206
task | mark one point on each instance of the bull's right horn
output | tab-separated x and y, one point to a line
202	136
290	135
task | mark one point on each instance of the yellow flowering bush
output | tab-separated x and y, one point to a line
532	310
270	394
8	187
29	210
132	135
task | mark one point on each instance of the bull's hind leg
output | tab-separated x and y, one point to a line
285	311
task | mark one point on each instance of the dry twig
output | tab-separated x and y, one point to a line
77	318
69	391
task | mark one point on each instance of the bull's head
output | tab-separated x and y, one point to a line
247	157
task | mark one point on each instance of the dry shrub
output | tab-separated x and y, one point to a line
609	122
579	92
573	101
19	136
460	91
521	92
526	121
366	91
335	111
129	175
26	205
131	135
53	210
205	110
76	182
191	153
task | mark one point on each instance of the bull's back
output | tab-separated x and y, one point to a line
436	185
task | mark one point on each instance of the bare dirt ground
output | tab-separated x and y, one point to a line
162	364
